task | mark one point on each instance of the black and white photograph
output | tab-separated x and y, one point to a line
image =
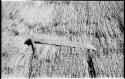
62	39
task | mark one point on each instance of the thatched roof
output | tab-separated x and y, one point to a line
99	24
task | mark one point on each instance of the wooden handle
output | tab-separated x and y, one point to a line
64	43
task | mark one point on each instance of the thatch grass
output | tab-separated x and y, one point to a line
102	22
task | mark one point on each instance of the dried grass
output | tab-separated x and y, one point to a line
101	22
